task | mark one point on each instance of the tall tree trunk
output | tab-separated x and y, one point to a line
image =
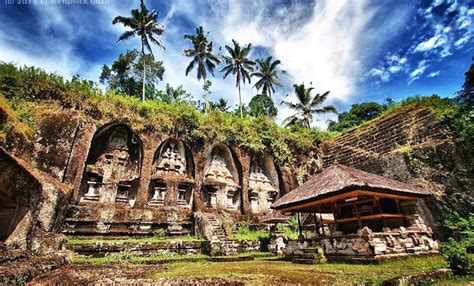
206	102
240	102
144	72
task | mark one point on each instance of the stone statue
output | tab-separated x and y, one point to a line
171	162
262	192
113	172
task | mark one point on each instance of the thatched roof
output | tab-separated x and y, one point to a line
338	179
275	217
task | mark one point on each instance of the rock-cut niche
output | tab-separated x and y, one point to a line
221	186
263	184
113	166
172	178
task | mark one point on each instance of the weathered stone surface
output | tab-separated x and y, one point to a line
31	206
103	248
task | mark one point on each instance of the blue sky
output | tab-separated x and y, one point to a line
359	50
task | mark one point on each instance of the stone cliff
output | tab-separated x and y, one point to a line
412	146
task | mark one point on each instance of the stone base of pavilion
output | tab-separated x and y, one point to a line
367	245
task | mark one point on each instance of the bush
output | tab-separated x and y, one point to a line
456	255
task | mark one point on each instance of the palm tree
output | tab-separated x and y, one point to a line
144	24
202	56
267	73
306	106
239	65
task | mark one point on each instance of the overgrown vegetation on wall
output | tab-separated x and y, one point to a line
25	93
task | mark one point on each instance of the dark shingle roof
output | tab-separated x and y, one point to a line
338	178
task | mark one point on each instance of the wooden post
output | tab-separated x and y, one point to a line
299	224
334	213
359	222
316	223
377	201
322	223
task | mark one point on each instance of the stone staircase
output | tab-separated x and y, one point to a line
310	255
218	231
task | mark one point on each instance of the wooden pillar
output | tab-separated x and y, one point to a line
377	201
334	213
316	227
359	222
299	224
322	223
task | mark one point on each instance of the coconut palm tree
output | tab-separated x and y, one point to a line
306	106
202	56
239	65
267	74
144	24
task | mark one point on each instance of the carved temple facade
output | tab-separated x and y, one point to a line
133	184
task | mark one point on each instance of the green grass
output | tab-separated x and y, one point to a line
251	235
117	258
271	271
81	240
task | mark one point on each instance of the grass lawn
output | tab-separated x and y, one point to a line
271	271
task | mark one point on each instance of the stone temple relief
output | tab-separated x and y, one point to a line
172	179
112	167
221	188
263	185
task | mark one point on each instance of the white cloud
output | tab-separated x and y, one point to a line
461	41
327	42
434	74
416	74
431	43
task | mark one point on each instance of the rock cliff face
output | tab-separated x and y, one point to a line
30	205
128	182
410	146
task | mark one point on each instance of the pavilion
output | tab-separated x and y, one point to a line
359	215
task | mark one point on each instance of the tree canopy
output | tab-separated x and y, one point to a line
359	113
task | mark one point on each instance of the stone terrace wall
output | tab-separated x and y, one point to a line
411	146
402	129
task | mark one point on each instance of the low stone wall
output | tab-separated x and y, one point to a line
368	245
232	246
102	248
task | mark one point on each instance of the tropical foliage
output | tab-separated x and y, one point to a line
262	105
126	73
358	114
306	106
144	24
29	91
267	75
238	64
202	58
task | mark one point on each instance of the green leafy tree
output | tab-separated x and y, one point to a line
359	113
306	106
267	75
262	104
221	105
238	64
126	73
144	24
171	94
202	58
466	95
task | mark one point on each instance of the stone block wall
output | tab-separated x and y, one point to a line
397	131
